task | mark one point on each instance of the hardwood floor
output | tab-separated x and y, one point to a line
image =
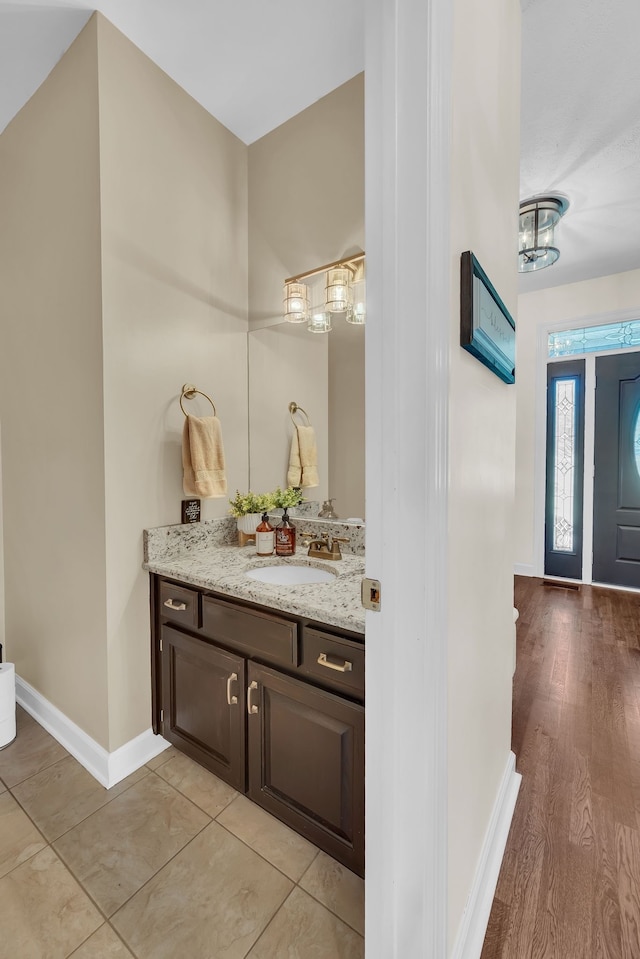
569	887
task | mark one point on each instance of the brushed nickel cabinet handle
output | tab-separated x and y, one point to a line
345	668
178	607
251	709
231	700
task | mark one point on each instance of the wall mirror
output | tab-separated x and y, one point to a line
306	188
324	374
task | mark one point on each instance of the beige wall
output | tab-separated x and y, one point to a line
285	365
346	419
559	304
124	275
51	402
306	208
484	206
174	262
2	616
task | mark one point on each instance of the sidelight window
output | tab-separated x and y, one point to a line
564	464
565	459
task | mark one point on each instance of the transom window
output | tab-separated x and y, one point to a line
595	339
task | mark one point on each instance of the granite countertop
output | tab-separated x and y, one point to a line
222	568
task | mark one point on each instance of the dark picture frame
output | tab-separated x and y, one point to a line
487	329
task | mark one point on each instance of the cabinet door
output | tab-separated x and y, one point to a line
199	685
306	761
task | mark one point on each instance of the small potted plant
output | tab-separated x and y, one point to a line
286	499
248	509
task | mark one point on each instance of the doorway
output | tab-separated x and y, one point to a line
592	493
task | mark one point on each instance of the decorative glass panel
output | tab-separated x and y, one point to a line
564	446
636	440
594	339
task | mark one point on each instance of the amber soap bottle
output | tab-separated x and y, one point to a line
265	537
285	537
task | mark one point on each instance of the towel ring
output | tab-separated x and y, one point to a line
294	408
190	391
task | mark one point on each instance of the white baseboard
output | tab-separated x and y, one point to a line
473	926
108	768
523	569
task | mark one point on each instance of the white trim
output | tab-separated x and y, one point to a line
134	754
589	460
408	66
108	768
523	569
473	927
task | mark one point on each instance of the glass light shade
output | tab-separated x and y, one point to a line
296	302
537	222
338	290
357	313
319	322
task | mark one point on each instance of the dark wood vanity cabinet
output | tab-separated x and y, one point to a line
203	700
306	761
270	703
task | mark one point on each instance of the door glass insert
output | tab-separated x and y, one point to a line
594	339
636	441
564	464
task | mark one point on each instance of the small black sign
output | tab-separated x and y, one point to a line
190	510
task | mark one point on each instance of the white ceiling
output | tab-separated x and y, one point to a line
255	63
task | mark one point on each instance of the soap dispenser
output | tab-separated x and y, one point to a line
265	537
285	537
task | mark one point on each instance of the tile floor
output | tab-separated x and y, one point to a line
169	863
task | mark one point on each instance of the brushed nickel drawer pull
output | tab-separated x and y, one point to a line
345	668
251	709
177	607
231	700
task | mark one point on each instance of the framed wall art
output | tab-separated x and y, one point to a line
487	329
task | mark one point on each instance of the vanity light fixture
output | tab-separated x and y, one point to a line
538	219
343	293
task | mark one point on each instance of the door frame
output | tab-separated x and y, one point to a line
410	289
540	452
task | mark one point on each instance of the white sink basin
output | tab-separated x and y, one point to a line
290	575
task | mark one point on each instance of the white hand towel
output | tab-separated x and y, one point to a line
203	457
305	439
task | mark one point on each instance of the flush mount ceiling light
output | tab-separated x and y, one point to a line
538	219
343	292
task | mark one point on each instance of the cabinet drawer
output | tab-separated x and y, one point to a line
336	663
270	637
179	604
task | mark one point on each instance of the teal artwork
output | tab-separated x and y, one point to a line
487	330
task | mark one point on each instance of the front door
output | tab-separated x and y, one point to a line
616	493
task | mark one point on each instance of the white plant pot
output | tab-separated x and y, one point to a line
249	523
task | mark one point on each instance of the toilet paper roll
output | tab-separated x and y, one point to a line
7	703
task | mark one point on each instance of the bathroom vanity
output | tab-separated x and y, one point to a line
268	695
